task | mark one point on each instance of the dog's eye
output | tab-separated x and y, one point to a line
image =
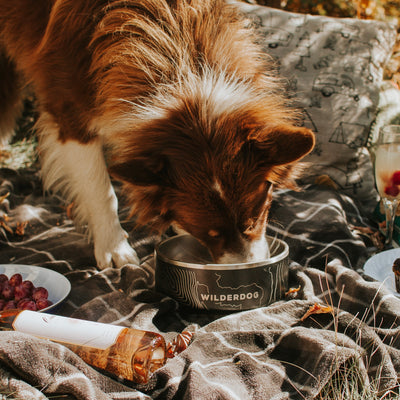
213	233
250	227
248	231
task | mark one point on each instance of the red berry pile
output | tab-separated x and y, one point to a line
393	189
16	293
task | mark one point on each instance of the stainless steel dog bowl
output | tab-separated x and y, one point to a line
185	272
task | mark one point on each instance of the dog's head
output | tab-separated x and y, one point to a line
212	177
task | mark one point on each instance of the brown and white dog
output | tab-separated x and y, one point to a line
172	97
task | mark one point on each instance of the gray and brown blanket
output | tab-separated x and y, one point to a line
275	352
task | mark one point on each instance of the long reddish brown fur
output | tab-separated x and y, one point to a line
180	93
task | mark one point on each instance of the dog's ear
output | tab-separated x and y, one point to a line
141	171
284	144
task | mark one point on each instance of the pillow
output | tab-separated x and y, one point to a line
388	110
334	69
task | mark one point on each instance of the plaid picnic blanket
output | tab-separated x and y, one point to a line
273	352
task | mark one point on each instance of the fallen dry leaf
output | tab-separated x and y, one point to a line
362	229
325	180
4	196
20	229
374	235
292	290
317	309
4	225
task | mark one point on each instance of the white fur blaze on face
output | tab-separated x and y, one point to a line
79	172
218	189
256	250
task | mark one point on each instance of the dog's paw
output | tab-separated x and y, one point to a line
115	254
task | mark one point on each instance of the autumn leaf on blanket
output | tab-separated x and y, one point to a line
317	309
2	198
20	229
292	290
373	234
3	223
325	180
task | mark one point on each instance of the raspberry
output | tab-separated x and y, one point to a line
43	303
39	293
392	190
396	178
15	280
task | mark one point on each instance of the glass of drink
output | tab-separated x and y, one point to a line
387	174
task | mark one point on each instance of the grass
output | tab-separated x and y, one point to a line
353	379
349	381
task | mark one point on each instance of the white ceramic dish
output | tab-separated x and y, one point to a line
380	265
56	284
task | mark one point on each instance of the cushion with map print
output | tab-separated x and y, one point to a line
333	68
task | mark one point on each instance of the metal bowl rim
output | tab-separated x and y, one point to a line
226	267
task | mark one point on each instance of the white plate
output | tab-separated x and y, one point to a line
380	265
56	284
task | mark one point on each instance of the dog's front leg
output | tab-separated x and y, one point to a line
79	172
